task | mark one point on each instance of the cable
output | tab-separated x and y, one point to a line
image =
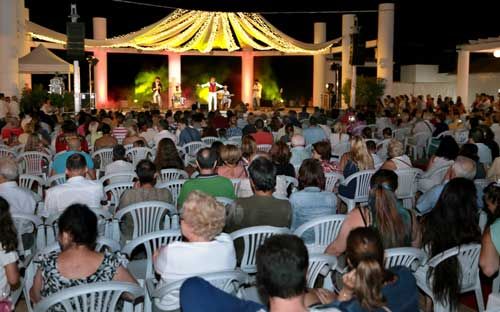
260	12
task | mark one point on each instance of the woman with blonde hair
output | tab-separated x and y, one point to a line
397	158
231	168
358	159
132	136
338	135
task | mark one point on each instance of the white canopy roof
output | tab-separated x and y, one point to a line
42	61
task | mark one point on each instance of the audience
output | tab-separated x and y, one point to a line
358	159
74	147
9	272
280	156
260	135
231	168
167	156
107	140
314	133
490	244
187	133
20	199
322	151
164	133
119	164
397	158
248	149
298	150
470	151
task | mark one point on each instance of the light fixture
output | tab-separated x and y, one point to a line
496	53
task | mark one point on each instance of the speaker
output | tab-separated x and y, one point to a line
75	33
357	55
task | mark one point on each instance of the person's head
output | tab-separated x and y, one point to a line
387	133
233	120
463	167
139	143
311	174
469	150
492	200
74	144
157	79
248	146
476	135
280	153
68	127
365	253
282	263
371	146
76	166
217	147
289	129
146	172
105	128
8	170
338	127
230	154
162	124
322	151
395	148
202	217
367	133
212	79
206	159
77	227
297	140
448	148
262	174
8	233
167	156
452	222
259	124
313	121
119	152
359	154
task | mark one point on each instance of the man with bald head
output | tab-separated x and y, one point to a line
73	147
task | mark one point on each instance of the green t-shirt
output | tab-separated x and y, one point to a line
214	185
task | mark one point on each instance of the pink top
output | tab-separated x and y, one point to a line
237	172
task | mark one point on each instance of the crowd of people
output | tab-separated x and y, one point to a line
263	153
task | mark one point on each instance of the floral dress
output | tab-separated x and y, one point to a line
53	281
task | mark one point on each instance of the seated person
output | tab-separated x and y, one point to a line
77	263
397	158
322	151
357	159
298	150
231	168
372	149
106	140
74	147
280	155
9	272
489	260
387	137
205	250
119	164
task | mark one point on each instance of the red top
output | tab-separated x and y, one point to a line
220	122
212	87
8	132
262	137
62	143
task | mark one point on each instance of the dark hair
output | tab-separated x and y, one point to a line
217	147
119	152
311	174
324	149
263	174
477	135
371	146
146	170
81	223
105	128
259	124
167	156
387	131
451	223
492	194
76	162
206	158
282	263
365	253
8	232
448	148
313	121
68	126
469	150
367	133
163	124
248	146
280	153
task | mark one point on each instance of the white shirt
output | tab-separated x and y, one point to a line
76	190
14	108
149	135
484	154
5	259
164	134
4	109
116	167
328	130
402	162
20	200
376	160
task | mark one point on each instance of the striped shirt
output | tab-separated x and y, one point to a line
120	133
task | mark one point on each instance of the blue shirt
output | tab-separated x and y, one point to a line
299	154
314	134
233	131
188	135
59	164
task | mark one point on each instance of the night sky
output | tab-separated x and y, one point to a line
426	32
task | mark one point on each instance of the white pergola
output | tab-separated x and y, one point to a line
489	45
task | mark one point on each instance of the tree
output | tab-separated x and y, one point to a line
368	90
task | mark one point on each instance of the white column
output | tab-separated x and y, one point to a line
385	45
23	41
463	77
77	96
247	78
174	76
9	67
101	68
348	21
319	71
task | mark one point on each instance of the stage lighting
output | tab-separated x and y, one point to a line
329	87
496	53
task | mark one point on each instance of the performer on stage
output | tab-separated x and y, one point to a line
257	94
177	98
226	98
212	92
157	87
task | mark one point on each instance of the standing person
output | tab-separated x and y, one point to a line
157	87
212	86
257	94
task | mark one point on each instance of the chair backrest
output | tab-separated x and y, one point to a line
116	190
444	133
34	163
401	134
119	177
167	175
325	230
56	179
407	182
405	256
174	187
105	157
468	257
6	152
340	149
265	148
437	174
27	181
236	185
362	183
192	148
461	136
137	154
210	139
234	140
253	237
332	178
151	242
317	264
27	223
224	201
95	297
482	183
290	181
147	216
421	138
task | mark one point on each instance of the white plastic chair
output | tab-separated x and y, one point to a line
224	201
320	263
210	139
147	217
433	142
265	148
253	237
236	185
174	187
56	179
28	224
137	154
34	163
332	178
461	136
227	281
468	258
117	190
362	179
325	231
340	149
482	183
190	149
418	145
93	297
167	175
409	257
119	177
401	134
27	181
105	157
6	152
235	140
407	185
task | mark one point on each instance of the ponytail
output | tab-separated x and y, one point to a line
369	283
387	217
